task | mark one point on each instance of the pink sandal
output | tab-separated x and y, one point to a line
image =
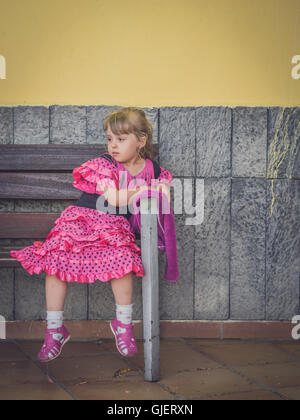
125	340
55	339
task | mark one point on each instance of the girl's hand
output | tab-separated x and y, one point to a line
141	188
160	187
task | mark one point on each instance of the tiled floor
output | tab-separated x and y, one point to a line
190	369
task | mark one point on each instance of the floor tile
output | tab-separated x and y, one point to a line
244	353
134	388
40	391
292	347
204	382
20	372
10	352
71	349
274	375
292	393
256	395
172	360
99	367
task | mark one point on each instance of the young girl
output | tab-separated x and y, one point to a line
87	244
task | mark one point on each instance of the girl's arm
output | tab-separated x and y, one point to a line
123	197
164	188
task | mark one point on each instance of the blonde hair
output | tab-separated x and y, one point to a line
131	120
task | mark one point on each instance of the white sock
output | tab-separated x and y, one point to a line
54	319
124	313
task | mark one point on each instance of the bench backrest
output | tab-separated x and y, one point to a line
41	171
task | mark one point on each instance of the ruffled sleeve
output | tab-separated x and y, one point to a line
94	175
165	177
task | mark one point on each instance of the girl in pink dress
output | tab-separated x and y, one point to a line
91	242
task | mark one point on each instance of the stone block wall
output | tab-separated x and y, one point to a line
241	263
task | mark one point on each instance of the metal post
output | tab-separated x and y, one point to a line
149	247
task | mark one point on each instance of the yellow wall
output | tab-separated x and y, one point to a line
150	52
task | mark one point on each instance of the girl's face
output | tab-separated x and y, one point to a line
123	147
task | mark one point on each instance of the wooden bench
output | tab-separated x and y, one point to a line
45	172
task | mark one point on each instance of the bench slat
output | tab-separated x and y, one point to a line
24	185
6	260
49	157
45	157
4	250
26	225
9	262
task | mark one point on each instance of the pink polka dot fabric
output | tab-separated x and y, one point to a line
85	244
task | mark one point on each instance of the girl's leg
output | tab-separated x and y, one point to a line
56	291
56	334
122	326
123	289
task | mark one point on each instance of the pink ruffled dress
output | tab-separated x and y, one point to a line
86	244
